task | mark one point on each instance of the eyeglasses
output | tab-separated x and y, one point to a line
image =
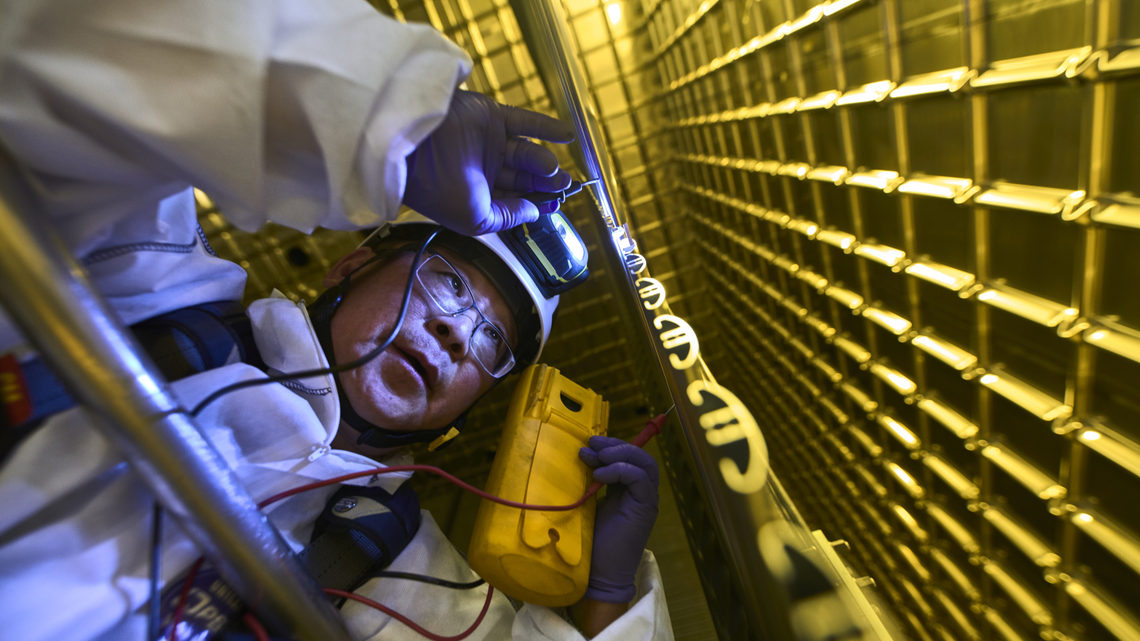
448	289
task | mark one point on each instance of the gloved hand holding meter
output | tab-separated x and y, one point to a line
555	558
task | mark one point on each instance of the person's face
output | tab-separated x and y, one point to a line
428	376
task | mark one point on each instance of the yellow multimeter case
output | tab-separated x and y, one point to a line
540	557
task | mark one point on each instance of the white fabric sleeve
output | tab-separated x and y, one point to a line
646	620
299	112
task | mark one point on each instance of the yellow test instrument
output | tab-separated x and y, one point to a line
540	557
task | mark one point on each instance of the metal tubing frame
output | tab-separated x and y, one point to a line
51	300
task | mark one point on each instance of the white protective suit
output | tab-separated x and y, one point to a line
290	111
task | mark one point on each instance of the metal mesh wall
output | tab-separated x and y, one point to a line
919	237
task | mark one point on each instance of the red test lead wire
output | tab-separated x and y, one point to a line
651	429
415	467
412	624
176	616
254	625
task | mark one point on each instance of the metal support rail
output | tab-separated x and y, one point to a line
48	296
758	526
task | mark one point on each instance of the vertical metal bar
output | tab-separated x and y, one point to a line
855	527
907	203
907	207
1101	31
843	127
892	18
847	133
797	254
974	12
756	189
50	299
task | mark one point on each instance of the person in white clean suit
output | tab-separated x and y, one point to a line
306	114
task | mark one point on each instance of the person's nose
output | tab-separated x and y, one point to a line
454	332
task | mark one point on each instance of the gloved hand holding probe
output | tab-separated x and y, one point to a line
624	517
470	173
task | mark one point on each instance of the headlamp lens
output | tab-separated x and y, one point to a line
551	251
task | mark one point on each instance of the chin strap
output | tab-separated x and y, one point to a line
321	313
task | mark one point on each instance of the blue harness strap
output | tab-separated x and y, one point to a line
360	531
183	342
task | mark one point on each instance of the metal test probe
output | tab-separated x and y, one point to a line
549	201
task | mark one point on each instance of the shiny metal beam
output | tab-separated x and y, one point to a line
49	297
758	527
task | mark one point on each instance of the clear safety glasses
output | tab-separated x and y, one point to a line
448	289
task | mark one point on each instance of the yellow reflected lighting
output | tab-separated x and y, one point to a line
613	12
903	434
901	382
902	475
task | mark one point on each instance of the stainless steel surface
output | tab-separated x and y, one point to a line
49	297
720	433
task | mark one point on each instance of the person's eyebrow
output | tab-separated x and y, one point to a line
492	315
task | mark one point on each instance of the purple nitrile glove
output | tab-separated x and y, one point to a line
624	517
470	173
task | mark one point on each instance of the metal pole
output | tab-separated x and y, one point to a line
758	527
549	45
48	296
738	516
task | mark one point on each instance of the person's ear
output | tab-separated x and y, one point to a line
348	263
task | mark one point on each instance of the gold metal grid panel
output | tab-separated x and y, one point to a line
918	228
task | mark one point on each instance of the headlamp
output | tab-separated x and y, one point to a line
551	251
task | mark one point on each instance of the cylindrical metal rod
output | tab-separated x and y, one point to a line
556	58
544	32
47	295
